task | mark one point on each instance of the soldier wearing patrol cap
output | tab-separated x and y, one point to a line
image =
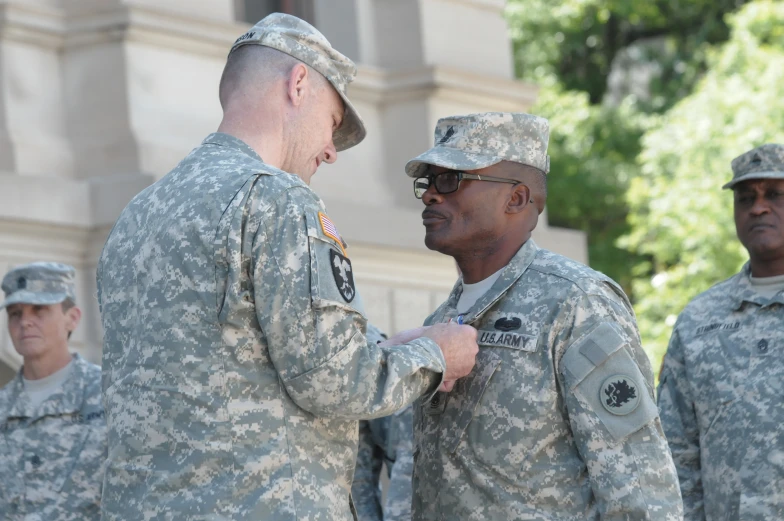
52	426
720	388
235	357
557	421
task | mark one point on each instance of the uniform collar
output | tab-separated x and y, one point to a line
67	400
225	140
509	275
743	291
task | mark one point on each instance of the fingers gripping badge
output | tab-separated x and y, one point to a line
344	276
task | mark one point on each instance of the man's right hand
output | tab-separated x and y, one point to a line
458	344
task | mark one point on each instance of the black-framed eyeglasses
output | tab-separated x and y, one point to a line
448	182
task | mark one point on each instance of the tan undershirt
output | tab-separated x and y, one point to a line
768	286
473	292
41	389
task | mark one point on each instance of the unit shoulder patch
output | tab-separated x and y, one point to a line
344	275
619	394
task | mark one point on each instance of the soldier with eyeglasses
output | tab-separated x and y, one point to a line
557	420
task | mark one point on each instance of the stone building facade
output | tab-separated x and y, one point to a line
99	98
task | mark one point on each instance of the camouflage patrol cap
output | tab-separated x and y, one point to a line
39	283
480	140
763	162
304	42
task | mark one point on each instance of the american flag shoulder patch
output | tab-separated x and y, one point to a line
331	231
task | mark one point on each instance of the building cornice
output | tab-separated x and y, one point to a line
31	23
22	239
496	6
381	86
57	29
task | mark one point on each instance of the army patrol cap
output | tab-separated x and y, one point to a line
480	140
763	162
304	42
39	283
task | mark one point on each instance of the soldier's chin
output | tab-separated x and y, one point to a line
436	241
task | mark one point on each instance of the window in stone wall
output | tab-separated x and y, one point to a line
251	11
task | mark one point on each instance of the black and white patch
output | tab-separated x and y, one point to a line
508	324
449	133
620	394
21	283
344	275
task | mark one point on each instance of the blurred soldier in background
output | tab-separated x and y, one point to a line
387	441
52	426
722	381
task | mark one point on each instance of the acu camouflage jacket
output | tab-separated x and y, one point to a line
557	421
52	457
235	359
721	399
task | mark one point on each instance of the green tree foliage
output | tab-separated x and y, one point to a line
593	150
680	217
577	40
568	47
660	157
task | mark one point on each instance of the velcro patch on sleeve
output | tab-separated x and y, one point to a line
331	231
590	352
608	383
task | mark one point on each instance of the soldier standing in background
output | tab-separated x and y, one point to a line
235	360
52	426
384	441
557	421
722	380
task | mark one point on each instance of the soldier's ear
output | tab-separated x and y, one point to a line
519	199
72	318
298	84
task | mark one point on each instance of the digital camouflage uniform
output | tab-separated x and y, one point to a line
51	457
721	388
557	420
388	440
235	360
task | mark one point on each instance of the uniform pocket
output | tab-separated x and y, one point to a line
464	400
55	460
497	417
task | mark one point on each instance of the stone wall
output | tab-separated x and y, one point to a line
99	98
